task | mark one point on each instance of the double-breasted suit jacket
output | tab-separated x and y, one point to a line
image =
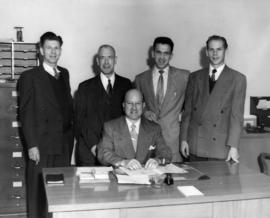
168	115
212	122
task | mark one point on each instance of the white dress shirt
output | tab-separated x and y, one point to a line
50	69
136	123
105	80
219	70
156	77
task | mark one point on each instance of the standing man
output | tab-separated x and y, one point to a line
163	89
98	100
131	140
214	107
45	112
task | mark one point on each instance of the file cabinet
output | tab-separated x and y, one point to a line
12	164
16	57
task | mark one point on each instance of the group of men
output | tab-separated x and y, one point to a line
117	124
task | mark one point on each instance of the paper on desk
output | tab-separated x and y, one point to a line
133	179
170	168
97	170
189	191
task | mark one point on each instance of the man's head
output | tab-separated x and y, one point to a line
133	104
215	50
50	48
162	51
106	59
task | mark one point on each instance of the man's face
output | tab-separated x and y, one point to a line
216	53
51	51
133	105
162	55
106	60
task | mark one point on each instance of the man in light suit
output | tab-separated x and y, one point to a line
163	89
97	101
214	105
45	112
131	140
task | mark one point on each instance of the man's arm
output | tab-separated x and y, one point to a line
185	119
106	150
236	116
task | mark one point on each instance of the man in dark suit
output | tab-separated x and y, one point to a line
163	89
132	140
45	111
98	100
214	107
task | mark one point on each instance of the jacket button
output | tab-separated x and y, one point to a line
214	139
214	125
221	111
194	108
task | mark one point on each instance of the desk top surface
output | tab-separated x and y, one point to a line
227	182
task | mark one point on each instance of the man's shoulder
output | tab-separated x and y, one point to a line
150	125
122	79
115	123
143	74
31	73
235	73
179	70
92	82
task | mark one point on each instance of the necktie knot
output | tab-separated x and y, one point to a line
161	72
213	76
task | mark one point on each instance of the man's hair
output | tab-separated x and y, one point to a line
163	40
216	37
50	36
106	46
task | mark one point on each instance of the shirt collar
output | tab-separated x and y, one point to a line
130	122
156	70
104	79
219	69
50	69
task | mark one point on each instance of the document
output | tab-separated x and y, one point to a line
93	174
189	191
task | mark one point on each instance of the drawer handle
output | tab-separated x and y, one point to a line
17	167
15	137
17	196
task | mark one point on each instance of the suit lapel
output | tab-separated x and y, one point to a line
142	147
150	88
204	89
221	87
46	85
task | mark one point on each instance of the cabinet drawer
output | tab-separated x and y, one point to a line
17	70
10	142
13	197
18	55
12	168
18	62
9	127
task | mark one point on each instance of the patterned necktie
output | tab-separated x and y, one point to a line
109	88
213	76
134	136
56	73
160	88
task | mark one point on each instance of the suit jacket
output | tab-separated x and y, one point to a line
171	106
116	143
93	107
212	121
40	113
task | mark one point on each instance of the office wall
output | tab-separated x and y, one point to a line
131	25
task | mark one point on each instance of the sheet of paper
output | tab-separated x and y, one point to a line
171	168
189	191
134	179
97	170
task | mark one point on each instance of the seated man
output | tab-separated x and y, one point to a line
131	141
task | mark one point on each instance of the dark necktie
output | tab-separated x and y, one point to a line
212	80
213	76
160	89
109	88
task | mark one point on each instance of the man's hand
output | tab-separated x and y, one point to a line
150	116
132	164
151	164
34	155
185	149
233	154
93	150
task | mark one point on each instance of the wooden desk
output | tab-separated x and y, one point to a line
232	192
